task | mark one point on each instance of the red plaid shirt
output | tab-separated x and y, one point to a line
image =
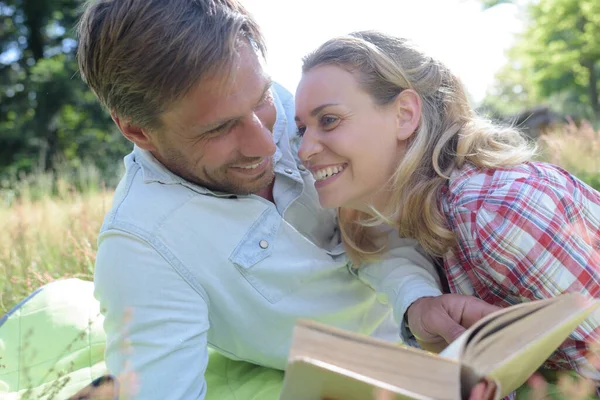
525	233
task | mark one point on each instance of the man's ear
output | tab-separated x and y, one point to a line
134	133
408	108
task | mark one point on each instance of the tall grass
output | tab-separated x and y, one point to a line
575	148
49	224
59	183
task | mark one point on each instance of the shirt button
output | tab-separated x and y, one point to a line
288	171
301	167
263	244
382	298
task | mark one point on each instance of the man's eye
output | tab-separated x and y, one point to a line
220	129
265	100
217	130
300	131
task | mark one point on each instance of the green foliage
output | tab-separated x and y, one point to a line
556	60
591	178
48	116
493	3
513	90
60	182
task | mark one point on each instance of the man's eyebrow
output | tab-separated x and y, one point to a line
317	110
208	127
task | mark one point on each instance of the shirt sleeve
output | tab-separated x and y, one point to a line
534	243
156	324
403	275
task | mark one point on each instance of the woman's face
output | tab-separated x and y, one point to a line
351	145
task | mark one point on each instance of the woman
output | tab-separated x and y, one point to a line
390	137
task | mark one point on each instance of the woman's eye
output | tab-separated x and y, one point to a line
327	121
300	131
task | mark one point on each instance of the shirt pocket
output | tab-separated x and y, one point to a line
255	260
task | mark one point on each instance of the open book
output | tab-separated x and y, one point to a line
505	348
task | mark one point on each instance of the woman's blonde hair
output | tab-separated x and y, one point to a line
449	136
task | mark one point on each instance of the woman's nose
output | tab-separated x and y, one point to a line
309	146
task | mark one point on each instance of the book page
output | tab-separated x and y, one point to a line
459	348
455	350
485	334
510	355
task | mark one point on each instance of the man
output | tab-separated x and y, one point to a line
216	237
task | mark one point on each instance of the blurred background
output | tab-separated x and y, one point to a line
531	63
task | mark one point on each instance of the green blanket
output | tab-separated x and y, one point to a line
52	345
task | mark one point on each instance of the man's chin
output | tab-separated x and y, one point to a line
244	187
260	184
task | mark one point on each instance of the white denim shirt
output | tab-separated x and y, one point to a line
180	268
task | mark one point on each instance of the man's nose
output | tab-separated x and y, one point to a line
256	140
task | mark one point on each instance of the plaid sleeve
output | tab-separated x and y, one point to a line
535	242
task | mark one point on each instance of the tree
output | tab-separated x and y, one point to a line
46	111
557	57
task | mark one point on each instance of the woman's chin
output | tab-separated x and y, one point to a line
329	202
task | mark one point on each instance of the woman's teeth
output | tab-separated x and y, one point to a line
327	172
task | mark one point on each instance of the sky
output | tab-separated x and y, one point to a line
471	41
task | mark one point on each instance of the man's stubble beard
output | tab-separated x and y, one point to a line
177	164
265	179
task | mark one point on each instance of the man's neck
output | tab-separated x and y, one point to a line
267	192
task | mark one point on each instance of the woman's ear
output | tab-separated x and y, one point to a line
134	133
408	108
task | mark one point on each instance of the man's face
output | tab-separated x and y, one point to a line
220	135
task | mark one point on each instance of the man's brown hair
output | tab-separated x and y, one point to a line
141	56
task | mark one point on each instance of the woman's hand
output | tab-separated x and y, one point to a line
437	321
